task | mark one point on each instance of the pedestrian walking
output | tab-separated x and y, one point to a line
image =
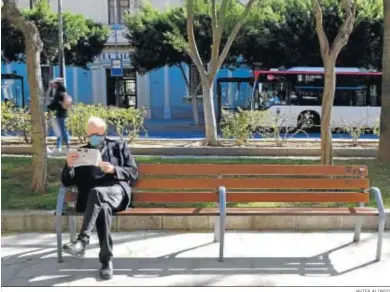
60	105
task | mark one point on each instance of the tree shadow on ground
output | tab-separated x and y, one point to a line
40	267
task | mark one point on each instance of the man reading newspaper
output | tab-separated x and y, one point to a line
103	187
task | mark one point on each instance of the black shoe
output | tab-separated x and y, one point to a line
107	271
76	248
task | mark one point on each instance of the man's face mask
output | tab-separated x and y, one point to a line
96	140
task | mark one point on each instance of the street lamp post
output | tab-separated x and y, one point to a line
117	101
61	57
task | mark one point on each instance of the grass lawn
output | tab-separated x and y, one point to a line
16	179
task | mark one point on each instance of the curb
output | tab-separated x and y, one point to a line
43	221
221	151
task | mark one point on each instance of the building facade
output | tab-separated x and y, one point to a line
161	92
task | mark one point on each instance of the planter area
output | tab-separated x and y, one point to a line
43	221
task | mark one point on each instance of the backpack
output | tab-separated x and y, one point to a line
67	101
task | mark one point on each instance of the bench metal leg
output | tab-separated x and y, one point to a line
59	208
222	219
216	227
72	225
358	226
382	217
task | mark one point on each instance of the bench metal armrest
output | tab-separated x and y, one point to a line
374	191
222	220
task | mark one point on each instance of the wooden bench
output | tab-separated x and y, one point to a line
222	183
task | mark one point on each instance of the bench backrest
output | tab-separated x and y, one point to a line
197	183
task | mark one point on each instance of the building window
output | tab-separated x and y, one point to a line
122	6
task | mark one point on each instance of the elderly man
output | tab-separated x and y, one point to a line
102	191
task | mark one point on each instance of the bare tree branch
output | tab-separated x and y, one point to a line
214	27
323	39
193	48
346	28
218	26
230	40
198	87
184	75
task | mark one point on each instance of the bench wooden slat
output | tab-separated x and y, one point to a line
199	197
315	197
251	211
251	183
252	169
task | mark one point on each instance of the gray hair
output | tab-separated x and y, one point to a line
98	122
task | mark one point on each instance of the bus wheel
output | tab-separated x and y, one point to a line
309	121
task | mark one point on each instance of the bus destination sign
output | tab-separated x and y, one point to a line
308	78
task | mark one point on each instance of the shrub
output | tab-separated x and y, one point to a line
273	127
377	128
6	116
17	120
355	129
136	119
78	119
240	125
126	121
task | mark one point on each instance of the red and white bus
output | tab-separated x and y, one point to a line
297	92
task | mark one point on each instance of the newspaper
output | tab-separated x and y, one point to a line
91	157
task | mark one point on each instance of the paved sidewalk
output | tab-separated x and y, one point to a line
189	259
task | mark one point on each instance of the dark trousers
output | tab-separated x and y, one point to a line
101	203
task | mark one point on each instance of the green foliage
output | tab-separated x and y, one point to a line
7	114
277	33
78	118
282	33
83	38
240	125
377	128
17	120
159	38
126	121
88	46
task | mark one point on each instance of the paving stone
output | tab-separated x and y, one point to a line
161	258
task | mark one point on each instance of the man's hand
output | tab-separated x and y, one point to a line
71	157
107	167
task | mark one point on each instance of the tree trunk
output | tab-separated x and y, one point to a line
209	114
326	116
384	141
193	93
195	108
329	55
33	48
39	158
